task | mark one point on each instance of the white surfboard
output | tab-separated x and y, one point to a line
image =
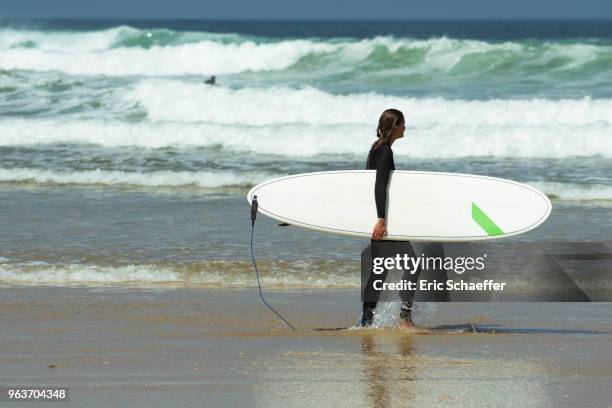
421	206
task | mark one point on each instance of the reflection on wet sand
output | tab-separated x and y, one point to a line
383	368
389	369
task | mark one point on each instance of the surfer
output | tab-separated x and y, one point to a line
391	126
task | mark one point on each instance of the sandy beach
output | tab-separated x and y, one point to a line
128	146
220	347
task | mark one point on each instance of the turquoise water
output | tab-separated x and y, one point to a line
128	106
122	107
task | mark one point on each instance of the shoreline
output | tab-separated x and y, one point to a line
153	347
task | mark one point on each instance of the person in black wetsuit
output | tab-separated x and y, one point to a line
391	126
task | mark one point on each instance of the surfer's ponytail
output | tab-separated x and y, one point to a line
389	119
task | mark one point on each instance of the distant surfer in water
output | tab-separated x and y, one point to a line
211	81
391	126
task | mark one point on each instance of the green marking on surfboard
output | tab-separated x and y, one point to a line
484	221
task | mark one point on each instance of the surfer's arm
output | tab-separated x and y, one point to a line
384	165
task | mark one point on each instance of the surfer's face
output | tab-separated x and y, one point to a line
398	132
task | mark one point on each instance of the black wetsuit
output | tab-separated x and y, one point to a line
381	160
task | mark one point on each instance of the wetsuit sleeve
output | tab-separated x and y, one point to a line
384	165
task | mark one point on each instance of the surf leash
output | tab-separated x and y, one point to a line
254	206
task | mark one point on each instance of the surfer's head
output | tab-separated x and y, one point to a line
390	127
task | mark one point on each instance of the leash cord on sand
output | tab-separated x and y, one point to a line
253	216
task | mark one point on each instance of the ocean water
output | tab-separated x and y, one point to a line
118	163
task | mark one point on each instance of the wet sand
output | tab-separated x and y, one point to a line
220	347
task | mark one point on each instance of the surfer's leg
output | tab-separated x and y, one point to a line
429	250
407	296
406	310
367	314
370	299
370	295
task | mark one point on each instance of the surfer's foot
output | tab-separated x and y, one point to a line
409	326
367	316
406	322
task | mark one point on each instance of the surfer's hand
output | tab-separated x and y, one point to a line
380	230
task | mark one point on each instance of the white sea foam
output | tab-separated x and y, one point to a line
214	273
171	100
211	180
61	40
96	57
202	179
573	191
65	274
103	52
436	128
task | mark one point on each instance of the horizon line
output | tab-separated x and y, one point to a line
287	19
